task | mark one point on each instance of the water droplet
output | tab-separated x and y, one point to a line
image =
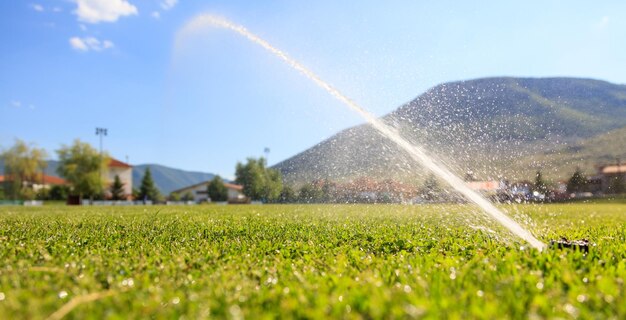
480	293
539	285
176	300
63	294
570	309
340	298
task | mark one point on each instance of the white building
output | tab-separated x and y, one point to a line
200	194
124	171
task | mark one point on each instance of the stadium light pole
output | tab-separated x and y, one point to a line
102	132
267	155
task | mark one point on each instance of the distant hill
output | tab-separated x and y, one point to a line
169	179
166	179
507	127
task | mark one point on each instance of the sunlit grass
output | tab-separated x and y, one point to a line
312	261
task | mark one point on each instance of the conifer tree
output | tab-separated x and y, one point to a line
147	190
117	189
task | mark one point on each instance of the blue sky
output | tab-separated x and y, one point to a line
69	66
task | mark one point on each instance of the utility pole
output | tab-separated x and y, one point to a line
102	132
267	155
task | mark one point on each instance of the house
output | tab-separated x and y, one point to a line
607	174
43	181
122	170
200	194
489	186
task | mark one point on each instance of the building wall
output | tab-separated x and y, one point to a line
200	193
235	194
125	174
607	180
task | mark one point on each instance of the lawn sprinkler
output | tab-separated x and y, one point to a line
582	245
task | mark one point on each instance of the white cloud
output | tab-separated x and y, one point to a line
57	9
168	4
95	11
90	44
37	7
16	103
155	14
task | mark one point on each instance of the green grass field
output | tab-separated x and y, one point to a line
308	261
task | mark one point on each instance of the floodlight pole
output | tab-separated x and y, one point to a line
101	132
267	155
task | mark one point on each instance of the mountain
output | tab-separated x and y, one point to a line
493	127
169	179
166	179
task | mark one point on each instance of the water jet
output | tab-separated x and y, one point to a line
417	153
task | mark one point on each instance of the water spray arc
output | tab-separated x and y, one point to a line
416	152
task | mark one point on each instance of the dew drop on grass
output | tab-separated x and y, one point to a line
571	309
539	285
63	294
176	300
480	293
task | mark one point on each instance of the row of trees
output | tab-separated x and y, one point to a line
580	183
265	184
84	168
81	165
23	166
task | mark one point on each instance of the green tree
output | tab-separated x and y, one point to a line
84	168
135	193
217	190
188	196
288	195
174	196
431	189
58	192
617	184
310	193
148	190
258	181
578	182
23	167
117	189
540	185
274	185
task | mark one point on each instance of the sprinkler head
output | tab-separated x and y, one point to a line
563	243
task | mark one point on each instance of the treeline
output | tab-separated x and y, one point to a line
81	165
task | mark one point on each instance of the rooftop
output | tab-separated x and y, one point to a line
118	164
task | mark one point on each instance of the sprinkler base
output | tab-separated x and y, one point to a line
563	243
